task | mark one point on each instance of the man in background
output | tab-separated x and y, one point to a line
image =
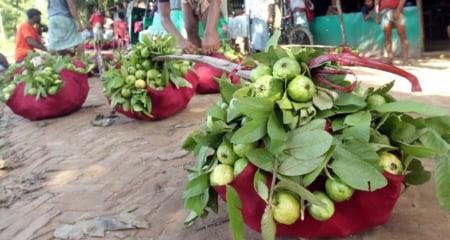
261	14
27	36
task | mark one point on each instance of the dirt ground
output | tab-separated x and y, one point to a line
66	170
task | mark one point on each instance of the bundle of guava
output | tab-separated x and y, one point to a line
46	86
208	75
149	90
303	150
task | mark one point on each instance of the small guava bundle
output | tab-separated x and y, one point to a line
45	86
303	151
141	88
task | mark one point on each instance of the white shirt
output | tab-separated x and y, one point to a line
297	4
258	8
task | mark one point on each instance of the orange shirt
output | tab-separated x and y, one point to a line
24	31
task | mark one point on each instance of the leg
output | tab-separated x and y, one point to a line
191	24
80	51
401	29
388	40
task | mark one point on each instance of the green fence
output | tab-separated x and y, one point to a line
367	36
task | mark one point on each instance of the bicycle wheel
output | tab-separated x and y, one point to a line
300	36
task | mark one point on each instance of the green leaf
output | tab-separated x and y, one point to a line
322	100
179	81
277	134
442	175
259	182
416	150
217	112
358	174
308	144
227	88
261	158
299	190
355	150
268	225
210	140
197	203
250	132
296	167
431	139
234	212
417	177
255	107
412	107
197	186
359	123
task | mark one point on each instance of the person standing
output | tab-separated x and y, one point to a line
260	12
391	12
27	36
64	27
194	11
96	18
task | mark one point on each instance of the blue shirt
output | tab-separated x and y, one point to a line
366	10
58	8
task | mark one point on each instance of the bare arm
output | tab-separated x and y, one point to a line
377	11
164	11
74	12
270	18
35	44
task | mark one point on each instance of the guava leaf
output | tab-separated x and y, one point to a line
210	140
431	139
234	212
276	132
416	150
440	124
350	99
189	143
284	102
261	158
322	100
179	81
358	174
442	175
255	107
250	132
268	225
232	111
295	167
417	177
259	182
412	107
219	126
359	123
197	203
299	190
355	150
308	144
217	112
227	88
197	186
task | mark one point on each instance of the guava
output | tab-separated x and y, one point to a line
337	190
268	86
321	213
301	89
259	71
130	79
243	148
140	84
53	90
140	74
221	175
125	92
225	154
390	163
152	74
374	101
131	70
285	208
32	91
239	166
286	68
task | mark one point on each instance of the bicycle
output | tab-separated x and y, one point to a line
294	33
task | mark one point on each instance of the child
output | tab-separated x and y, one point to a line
367	9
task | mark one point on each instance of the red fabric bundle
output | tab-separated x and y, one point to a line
166	102
68	100
207	74
88	45
363	211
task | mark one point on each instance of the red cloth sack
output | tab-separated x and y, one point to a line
363	211
68	100
166	102
207	74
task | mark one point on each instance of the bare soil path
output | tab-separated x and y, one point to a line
65	170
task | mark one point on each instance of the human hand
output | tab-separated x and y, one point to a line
377	18
187	46
224	29
396	14
210	42
79	26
